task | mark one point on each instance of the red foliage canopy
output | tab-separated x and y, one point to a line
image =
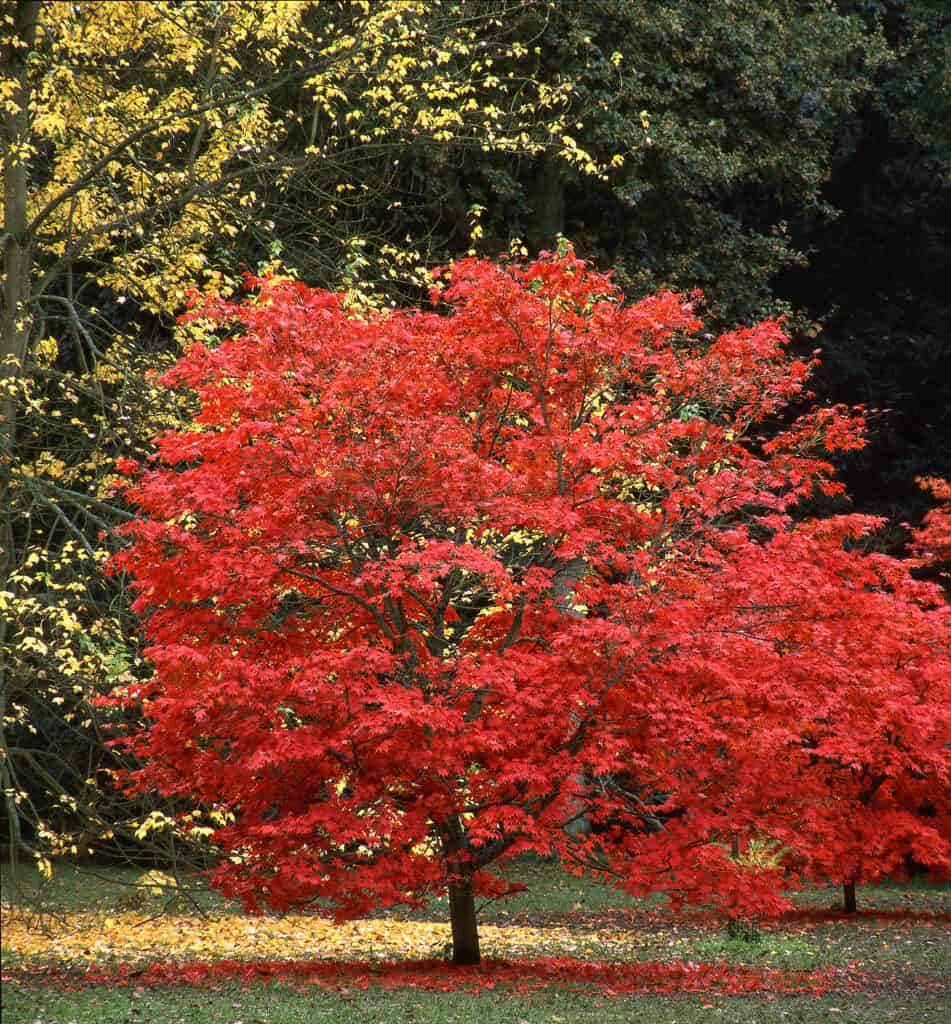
423	587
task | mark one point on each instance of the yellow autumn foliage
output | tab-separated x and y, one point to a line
149	147
88	938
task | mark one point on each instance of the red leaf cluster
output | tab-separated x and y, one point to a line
425	588
933	541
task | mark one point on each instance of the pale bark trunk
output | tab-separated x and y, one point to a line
17	259
16	245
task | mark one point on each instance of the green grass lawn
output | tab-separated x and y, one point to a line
550	893
897	941
83	886
279	1004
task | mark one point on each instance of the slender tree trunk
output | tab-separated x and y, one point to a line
465	931
15	243
849	904
746	928
14	142
17	259
549	203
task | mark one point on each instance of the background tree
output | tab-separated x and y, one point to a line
863	786
782	160
876	277
145	153
720	125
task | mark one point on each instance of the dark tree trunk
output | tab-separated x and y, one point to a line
849	904
745	928
462	914
549	203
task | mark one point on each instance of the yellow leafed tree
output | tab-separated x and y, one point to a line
147	148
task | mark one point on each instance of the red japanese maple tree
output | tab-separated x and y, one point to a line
424	588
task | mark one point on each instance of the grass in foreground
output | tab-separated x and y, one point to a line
280	1004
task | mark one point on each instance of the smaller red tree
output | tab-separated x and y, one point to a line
422	588
846	761
932	541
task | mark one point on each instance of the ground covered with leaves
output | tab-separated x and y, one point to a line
108	944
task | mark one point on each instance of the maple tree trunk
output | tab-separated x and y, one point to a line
849	904
462	914
745	928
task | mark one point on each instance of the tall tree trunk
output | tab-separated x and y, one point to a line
849	904
14	140
15	243
462	914
17	259
549	203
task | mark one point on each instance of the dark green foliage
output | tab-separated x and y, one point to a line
880	273
784	158
728	118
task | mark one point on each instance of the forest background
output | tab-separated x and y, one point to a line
785	158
